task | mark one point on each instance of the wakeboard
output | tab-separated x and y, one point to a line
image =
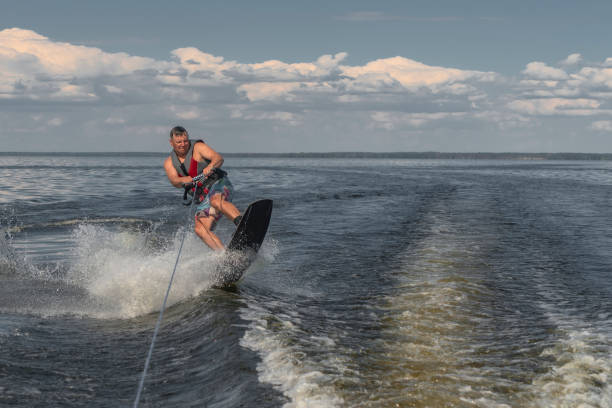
243	247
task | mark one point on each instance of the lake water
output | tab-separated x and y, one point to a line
381	283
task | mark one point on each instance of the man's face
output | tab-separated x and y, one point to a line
180	144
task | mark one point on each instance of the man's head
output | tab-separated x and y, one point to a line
179	140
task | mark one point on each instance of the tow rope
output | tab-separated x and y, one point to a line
197	179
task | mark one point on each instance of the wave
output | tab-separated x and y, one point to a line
581	369
433	324
579	372
457	337
285	365
78	221
115	274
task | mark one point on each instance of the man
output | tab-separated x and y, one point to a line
189	159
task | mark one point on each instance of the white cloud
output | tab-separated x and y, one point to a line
190	114
280	116
395	120
323	66
536	83
26	57
556	106
241	112
593	77
269	90
369	16
504	120
602	126
113	89
61	83
202	68
40	55
554	92
35	67
348	98
409	74
572	59
114	121
540	70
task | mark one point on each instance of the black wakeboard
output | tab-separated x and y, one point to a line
245	243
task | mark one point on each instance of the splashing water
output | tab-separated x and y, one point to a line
118	268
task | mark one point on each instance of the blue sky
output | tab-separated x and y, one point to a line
276	76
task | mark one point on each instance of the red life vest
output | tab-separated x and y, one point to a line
195	167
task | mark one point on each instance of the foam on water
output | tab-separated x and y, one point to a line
281	343
77	221
432	323
113	274
8	257
118	270
580	374
285	365
11	262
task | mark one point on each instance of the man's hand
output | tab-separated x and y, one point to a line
199	177
208	171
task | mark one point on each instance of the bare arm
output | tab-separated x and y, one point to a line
175	179
204	151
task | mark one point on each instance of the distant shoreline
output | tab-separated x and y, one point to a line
436	155
355	155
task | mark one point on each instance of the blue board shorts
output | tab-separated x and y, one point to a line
222	186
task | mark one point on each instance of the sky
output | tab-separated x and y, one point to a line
316	76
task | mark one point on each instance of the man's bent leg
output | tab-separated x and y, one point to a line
203	226
219	203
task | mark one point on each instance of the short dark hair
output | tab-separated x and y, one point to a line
178	131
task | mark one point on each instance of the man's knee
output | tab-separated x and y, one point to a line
216	200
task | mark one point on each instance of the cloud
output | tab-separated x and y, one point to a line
115	121
540	70
121	97
504	120
197	67
556	106
593	78
368	16
602	126
270	90
572	59
409	74
395	120
189	114
35	67
574	91
25	49
113	89
55	122
323	67
279	116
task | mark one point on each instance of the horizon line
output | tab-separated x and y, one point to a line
406	154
